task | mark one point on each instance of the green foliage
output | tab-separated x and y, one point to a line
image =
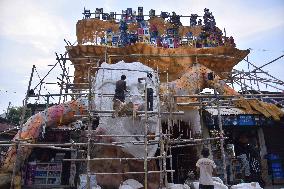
15	113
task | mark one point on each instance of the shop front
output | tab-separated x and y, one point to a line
273	135
245	146
184	157
45	167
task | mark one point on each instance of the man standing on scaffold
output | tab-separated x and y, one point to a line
149	87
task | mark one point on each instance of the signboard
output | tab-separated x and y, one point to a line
243	120
246	120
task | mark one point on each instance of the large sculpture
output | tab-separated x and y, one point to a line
54	116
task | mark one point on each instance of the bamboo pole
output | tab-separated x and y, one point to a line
221	140
89	130
195	140
272	95
134	70
145	138
12	143
142	112
160	127
173	55
227	96
120	159
142	172
18	149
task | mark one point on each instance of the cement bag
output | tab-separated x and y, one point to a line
131	184
252	185
217	185
125	187
178	186
217	179
83	182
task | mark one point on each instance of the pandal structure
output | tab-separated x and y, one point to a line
184	71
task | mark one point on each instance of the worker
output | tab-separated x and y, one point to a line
245	168
205	168
149	85
250	159
120	89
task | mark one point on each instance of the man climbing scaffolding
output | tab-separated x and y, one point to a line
119	96
120	89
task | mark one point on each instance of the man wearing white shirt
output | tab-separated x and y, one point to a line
149	85
205	167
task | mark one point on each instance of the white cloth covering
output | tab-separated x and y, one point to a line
131	184
252	185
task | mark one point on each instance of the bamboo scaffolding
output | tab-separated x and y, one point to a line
161	136
254	78
260	80
11	143
208	103
257	68
185	96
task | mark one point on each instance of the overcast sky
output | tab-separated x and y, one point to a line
32	30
